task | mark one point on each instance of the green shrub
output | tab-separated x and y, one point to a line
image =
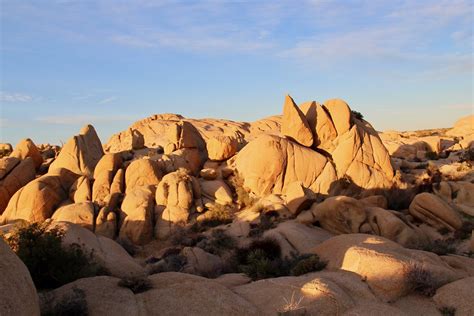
51	264
74	304
136	284
306	264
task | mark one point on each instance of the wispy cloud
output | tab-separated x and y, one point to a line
83	119
107	100
8	97
465	106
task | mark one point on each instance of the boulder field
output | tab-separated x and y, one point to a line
173	200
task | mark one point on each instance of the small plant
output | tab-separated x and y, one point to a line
422	281
74	304
172	263
218	243
307	263
465	231
50	263
242	196
292	306
136	284
357	115
265	223
441	247
447	311
217	215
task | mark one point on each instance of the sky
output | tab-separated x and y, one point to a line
404	65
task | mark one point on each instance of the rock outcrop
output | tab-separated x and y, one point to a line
294	124
81	153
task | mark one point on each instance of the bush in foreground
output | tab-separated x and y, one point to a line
50	263
262	259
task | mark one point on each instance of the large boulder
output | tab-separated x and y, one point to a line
81	153
36	201
136	216
17	290
387	267
321	125
294	237
221	147
294	124
270	163
361	156
457	295
104	173
216	190
319	293
340	114
80	190
202	297
432	210
346	215
81	213
174	202
26	148
142	173
101	295
17	174
338	215
104	250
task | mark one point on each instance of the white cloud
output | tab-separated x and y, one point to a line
107	100
14	97
82	119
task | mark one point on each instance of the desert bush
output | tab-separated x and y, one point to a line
218	242
265	223
465	231
422	281
440	247
74	304
50	263
447	311
136	284
184	237
216	215
174	262
307	263
357	115
262	259
242	196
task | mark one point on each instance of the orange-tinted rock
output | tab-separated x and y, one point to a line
294	124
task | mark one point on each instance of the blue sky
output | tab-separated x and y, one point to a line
403	64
